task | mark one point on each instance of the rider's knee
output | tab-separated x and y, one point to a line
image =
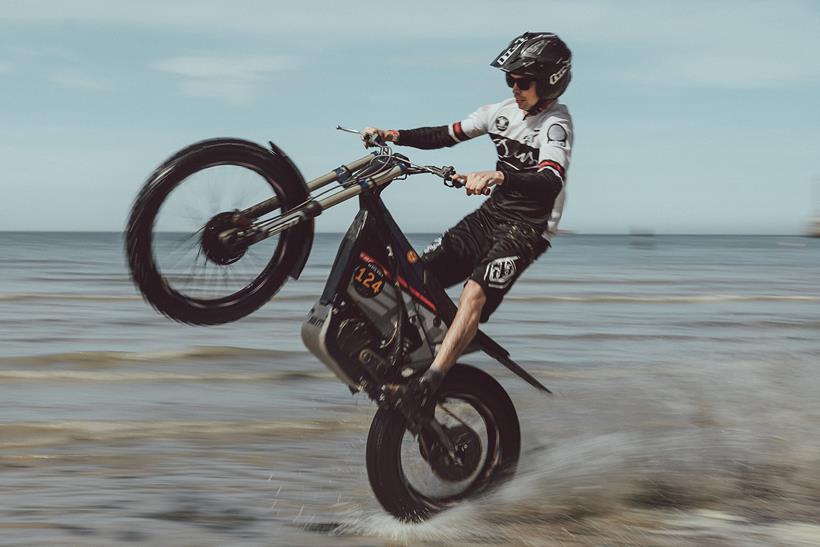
473	295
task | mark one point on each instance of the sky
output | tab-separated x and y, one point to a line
690	117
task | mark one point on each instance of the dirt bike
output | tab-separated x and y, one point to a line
376	325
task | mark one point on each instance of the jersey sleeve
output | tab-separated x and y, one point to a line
474	125
544	182
556	147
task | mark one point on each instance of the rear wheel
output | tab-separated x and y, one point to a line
413	478
178	252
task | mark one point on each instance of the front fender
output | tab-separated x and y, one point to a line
304	230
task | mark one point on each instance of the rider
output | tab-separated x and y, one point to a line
490	247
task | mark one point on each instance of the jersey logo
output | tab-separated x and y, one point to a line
502	123
529	140
435	244
517	155
500	272
557	134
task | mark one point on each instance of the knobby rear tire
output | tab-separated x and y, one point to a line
384	442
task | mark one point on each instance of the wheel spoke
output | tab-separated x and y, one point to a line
175	226
452	415
196	201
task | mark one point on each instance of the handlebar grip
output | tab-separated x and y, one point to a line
371	139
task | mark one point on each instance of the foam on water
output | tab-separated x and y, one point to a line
38	434
642	491
156	376
668	299
34	296
196	354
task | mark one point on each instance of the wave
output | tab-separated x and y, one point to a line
601	336
22	297
602	281
199	353
32	434
156	376
660	489
597	298
755	323
667	299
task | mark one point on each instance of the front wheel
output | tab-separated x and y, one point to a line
176	243
413	478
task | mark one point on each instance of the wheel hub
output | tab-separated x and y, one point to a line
467	451
219	245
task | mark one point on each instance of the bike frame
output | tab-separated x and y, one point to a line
419	283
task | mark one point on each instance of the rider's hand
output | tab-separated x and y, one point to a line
373	136
479	183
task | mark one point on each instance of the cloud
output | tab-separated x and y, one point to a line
735	43
247	69
75	80
231	79
320	18
5	67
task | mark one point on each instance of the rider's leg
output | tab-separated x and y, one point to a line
458	336
501	259
450	259
513	249
462	330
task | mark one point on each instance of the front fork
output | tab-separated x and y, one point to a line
423	424
245	237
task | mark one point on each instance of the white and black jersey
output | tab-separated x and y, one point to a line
533	150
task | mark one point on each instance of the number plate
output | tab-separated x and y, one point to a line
368	280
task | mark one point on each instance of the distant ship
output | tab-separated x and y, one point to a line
642	238
814	227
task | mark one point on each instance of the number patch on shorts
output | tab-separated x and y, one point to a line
368	280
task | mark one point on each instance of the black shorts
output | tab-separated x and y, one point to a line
491	253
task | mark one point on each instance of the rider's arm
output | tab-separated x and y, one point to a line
448	135
426	138
544	183
547	180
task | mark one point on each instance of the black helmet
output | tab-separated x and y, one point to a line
542	55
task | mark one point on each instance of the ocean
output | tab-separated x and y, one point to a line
685	372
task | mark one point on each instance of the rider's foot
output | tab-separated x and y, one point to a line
419	393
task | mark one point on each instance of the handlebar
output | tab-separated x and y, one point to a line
445	172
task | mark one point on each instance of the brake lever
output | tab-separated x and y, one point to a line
447	174
371	140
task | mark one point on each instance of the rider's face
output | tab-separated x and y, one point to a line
524	93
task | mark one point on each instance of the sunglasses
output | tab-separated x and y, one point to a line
523	82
